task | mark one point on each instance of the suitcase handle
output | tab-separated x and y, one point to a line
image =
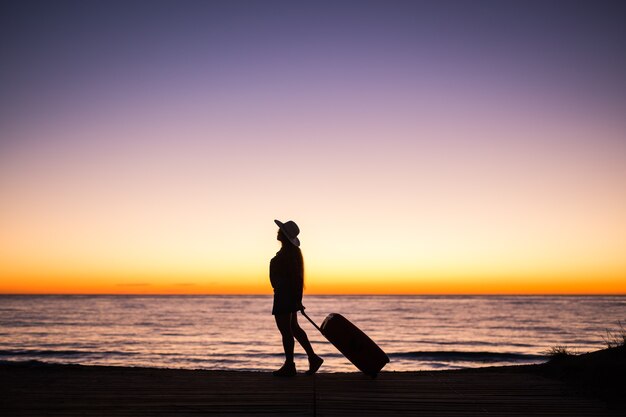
309	319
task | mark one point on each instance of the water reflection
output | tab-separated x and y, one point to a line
238	332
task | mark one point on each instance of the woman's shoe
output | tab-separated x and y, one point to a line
314	365
288	369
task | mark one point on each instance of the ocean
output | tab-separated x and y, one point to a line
239	333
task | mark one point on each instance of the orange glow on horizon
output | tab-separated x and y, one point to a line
316	285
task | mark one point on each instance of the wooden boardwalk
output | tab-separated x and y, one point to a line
110	391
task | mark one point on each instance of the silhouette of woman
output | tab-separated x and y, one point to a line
287	278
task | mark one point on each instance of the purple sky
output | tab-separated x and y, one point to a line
63	55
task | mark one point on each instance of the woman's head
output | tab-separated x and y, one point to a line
288	232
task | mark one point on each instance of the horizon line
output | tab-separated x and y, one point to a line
325	294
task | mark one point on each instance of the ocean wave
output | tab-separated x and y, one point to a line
462	356
465	343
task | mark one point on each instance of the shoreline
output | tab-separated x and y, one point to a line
35	363
39	388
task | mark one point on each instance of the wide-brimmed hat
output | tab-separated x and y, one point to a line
290	229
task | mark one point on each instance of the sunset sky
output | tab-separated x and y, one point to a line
422	147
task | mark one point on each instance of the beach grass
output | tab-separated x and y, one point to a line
600	373
560	351
615	338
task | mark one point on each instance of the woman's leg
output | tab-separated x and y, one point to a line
300	335
314	361
283	322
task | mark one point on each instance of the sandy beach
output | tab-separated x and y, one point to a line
35	389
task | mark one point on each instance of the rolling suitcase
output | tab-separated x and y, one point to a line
355	345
